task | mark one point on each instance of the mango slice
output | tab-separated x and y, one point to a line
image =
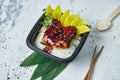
82	29
49	12
57	12
83	22
64	15
70	18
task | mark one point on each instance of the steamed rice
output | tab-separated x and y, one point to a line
61	53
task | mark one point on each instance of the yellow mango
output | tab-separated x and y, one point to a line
57	12
82	29
49	12
70	18
64	15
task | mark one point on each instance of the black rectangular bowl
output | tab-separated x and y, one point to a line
33	34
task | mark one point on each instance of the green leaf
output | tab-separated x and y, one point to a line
55	72
47	23
42	69
50	22
33	59
44	10
46	67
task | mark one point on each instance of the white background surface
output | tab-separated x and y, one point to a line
17	17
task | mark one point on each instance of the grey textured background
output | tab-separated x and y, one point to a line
17	17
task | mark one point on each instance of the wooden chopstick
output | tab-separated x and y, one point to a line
98	54
92	64
93	61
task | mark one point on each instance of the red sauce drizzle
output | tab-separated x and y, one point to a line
58	36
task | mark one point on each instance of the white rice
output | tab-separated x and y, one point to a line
61	53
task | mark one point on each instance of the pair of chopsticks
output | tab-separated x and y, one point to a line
93	61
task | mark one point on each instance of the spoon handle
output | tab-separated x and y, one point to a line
114	13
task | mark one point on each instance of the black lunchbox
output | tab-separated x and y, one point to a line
33	34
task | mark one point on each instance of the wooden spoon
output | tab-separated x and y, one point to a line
105	24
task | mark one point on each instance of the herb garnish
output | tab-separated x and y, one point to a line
44	21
